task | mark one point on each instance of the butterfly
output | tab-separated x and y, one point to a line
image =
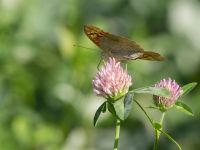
118	47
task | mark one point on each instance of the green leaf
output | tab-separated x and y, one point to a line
157	126
104	109
119	109
122	107
128	104
111	108
154	91
98	112
188	87
184	108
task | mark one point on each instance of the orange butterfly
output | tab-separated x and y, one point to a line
119	47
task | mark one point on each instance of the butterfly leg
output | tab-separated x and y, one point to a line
99	63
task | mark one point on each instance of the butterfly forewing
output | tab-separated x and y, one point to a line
117	46
95	34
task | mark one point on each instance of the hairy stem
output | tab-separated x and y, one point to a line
117	132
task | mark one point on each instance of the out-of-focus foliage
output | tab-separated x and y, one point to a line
46	99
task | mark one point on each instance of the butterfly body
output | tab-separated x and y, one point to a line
119	47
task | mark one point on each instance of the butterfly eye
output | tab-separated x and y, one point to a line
100	34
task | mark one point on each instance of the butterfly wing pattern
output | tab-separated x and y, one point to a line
119	47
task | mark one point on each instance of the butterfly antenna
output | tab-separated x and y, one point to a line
75	45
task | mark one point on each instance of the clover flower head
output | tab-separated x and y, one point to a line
112	81
174	89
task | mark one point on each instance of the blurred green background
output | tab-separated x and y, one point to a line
46	98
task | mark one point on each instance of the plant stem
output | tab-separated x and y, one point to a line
155	146
157	133
161	122
150	120
117	132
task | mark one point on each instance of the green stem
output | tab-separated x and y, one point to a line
117	132
155	146
150	120
161	122
171	139
157	133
